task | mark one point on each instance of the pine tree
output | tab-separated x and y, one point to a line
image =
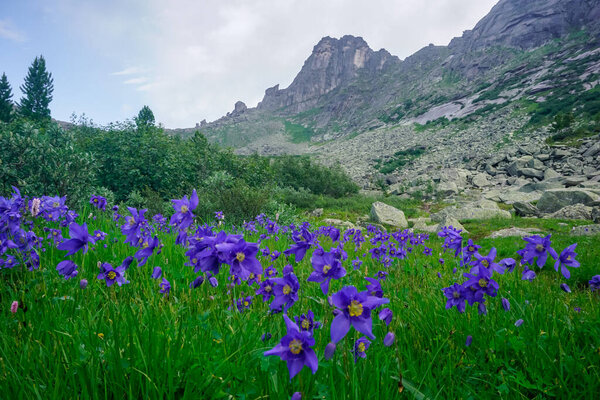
37	90
145	118
6	105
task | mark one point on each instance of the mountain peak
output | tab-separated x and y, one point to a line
527	24
332	63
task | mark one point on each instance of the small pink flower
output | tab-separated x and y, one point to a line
14	306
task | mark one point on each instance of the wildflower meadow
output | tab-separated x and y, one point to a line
112	302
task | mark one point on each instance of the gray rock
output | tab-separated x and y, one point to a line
523	209
586	230
510	232
554	199
481	180
447	188
514	196
574	180
560	153
386	214
531	173
449	221
317	212
535	164
550	173
596	215
541	186
482	209
577	211
338	223
592	151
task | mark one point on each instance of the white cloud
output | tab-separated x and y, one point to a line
135	81
130	71
8	31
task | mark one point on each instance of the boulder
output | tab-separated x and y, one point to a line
449	221
447	188
550	173
592	151
386	214
511	232
480	180
515	196
574	180
338	223
554	199
482	209
524	209
577	211
317	212
531	173
585	230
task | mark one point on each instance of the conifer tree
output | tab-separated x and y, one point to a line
37	91
6	105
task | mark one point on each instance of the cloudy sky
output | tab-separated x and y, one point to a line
193	59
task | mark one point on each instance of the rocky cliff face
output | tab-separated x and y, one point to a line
333	63
526	24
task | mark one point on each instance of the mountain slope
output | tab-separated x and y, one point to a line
526	59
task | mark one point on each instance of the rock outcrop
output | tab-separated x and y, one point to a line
386	214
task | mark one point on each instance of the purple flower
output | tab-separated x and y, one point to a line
285	290
565	287
80	238
505	304
112	275
296	396
488	261
360	348
306	322
165	287
197	282
295	349
83	283
388	340
303	242
469	341
481	308
241	256
537	247
266	289
595	283
146	250
67	268
266	336
528	275
327	266
374	287
354	309
567	258
518	322
329	350
183	216
219	216
270	271
480	279
99	202
456	297
156	273
508	263
386	315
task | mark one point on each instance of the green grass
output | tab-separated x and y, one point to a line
132	342
298	133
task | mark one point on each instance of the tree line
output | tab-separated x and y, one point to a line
136	163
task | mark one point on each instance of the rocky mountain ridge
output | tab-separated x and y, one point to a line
496	88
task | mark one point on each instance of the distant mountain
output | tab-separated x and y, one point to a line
524	55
